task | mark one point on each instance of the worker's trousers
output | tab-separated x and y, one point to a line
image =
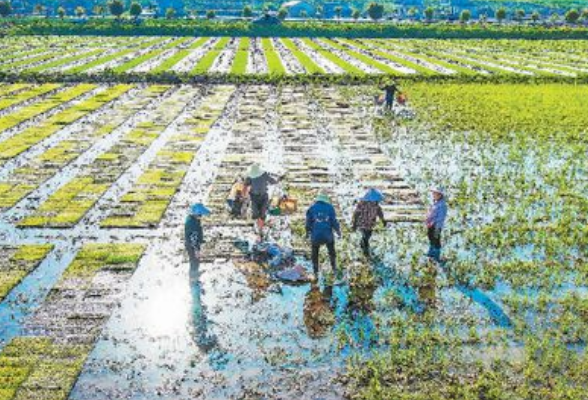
316	246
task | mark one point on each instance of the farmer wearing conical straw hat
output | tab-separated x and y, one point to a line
435	222
390	87
257	183
321	222
193	234
366	216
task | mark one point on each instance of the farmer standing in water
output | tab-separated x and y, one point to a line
390	88
435	222
193	234
256	184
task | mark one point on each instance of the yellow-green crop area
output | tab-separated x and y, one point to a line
98	299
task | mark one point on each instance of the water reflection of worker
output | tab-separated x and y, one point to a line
194	238
204	340
318	313
356	321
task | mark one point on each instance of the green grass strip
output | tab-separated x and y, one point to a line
363	58
171	62
23	141
31	60
274	62
239	66
63	61
407	63
455	58
21	263
304	59
31	111
135	62
344	65
209	58
504	60
111	57
12	55
25	95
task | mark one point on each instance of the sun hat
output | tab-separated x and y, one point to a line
199	209
438	189
323	197
255	171
373	195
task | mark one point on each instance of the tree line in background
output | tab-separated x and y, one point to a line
375	11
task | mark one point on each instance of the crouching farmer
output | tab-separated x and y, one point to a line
435	222
193	235
321	222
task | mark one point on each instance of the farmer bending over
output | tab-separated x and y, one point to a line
321	221
257	183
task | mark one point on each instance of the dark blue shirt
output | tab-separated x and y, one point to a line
321	222
193	235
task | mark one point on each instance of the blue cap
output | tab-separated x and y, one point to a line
373	195
199	209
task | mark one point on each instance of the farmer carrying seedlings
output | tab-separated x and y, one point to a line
257	183
193	235
390	88
435	222
366	216
321	221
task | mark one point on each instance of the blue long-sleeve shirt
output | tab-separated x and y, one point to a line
193	235
321	221
437	214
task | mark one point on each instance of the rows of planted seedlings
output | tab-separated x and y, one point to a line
31	174
44	107
17	263
25	139
7	89
69	203
46	361
147	199
281	56
12	98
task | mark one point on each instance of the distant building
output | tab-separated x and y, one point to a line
297	9
329	10
233	8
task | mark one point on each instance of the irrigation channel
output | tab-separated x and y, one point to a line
128	318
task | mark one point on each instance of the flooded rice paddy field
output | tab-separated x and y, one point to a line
98	300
